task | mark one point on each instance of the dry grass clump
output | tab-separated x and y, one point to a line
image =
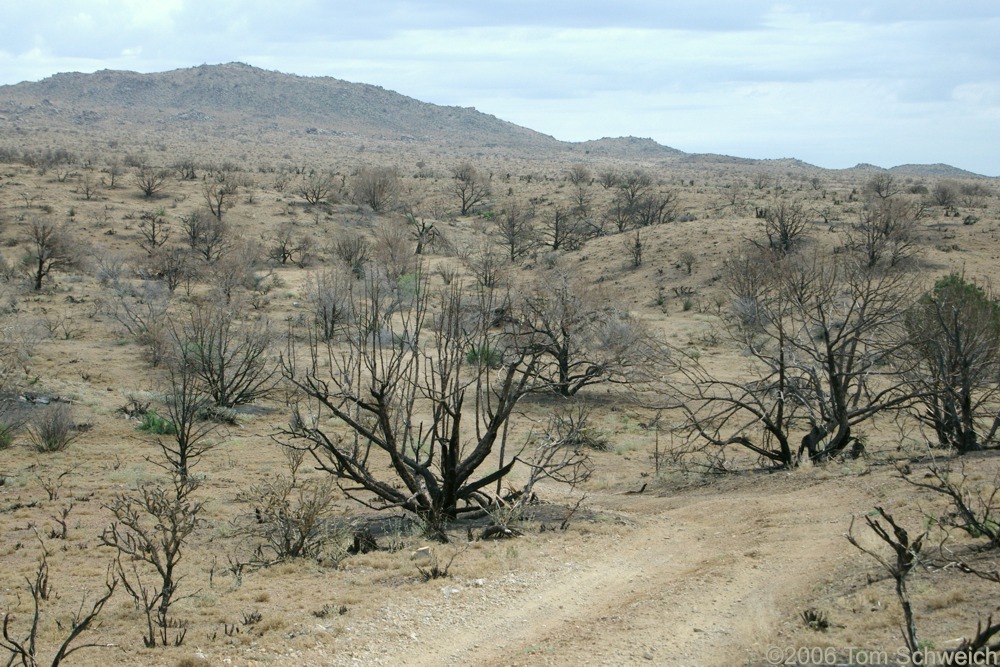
53	429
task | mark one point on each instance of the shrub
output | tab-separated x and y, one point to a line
290	519
153	423
54	429
11	421
484	356
6	436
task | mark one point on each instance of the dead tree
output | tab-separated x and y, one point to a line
151	528
287	247
633	186
330	293
818	336
26	650
580	341
424	396
885	232
907	555
515	230
150	181
317	189
143	312
232	358
375	187
579	174
655	209
562	231
784	224
353	250
207	235
883	186
187	405
975	507
423	231
154	231
174	267
220	195
470	186
50	247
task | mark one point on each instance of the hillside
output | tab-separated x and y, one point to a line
235	100
237	104
222	218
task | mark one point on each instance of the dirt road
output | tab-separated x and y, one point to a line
699	578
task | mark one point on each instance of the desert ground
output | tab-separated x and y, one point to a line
671	552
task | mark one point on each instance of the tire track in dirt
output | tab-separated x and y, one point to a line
698	585
702	579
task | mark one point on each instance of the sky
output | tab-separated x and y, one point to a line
830	82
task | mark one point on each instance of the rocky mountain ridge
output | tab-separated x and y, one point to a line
215	98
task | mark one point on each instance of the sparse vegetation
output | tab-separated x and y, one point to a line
151	529
27	651
471	187
818	333
153	423
53	429
150	181
438	468
290	517
471	347
50	247
953	336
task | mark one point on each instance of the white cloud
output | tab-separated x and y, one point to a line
828	82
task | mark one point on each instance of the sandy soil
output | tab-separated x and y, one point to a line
694	571
699	578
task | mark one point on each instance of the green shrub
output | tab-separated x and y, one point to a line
153	423
484	356
6	436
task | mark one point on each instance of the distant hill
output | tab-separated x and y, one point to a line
241	104
925	170
318	105
629	147
933	171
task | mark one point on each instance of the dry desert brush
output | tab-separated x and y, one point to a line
50	247
26	650
230	355
151	528
290	516
420	426
906	556
53	429
582	341
975	506
818	335
187	403
906	553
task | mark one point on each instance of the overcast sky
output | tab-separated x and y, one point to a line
831	82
